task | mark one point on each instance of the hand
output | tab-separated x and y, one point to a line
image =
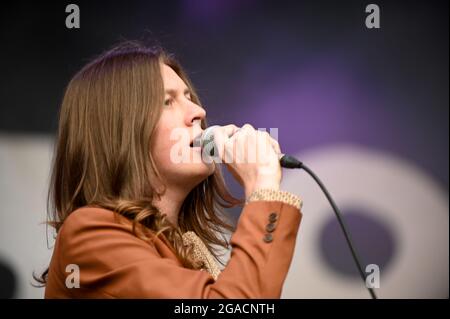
250	155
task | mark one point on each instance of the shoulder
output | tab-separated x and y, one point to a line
89	214
103	246
93	228
91	235
90	218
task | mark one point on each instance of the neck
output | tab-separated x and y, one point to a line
170	203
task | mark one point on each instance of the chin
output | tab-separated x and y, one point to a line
199	172
189	173
202	170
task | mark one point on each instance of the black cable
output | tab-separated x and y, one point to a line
290	162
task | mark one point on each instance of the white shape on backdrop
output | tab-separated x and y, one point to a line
404	197
400	193
24	174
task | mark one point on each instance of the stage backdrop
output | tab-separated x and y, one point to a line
366	109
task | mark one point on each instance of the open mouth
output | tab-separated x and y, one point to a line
196	141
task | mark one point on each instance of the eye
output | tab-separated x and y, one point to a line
187	94
168	102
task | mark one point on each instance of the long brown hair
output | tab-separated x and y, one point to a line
102	152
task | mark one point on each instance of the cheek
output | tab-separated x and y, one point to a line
169	145
161	147
161	138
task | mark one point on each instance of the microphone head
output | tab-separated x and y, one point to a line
207	140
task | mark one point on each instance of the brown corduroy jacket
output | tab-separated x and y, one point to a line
114	263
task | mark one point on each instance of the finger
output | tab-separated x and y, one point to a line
229	130
275	145
247	128
273	142
245	132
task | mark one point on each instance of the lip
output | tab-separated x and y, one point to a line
195	141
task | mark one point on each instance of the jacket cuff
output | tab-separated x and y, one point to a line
266	194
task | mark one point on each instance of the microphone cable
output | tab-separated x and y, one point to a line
206	140
288	161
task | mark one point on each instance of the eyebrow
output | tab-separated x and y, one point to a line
173	92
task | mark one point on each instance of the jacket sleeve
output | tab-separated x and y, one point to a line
115	263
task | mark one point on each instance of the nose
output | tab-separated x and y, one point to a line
195	113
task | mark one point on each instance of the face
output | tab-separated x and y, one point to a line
179	163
